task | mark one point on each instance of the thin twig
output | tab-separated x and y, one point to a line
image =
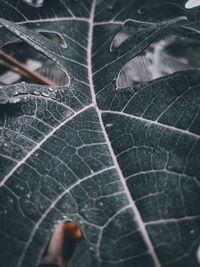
15	69
31	74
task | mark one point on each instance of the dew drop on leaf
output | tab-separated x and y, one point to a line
36	93
53	95
44	94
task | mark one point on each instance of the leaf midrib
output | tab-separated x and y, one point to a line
132	203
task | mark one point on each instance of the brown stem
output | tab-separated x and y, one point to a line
31	74
17	70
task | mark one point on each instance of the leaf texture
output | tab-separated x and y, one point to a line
122	163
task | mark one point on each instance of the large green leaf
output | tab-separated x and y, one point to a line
122	163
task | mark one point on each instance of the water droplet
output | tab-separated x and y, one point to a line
44	94
53	95
101	203
109	125
50	89
15	93
36	93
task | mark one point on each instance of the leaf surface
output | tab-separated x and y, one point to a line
122	163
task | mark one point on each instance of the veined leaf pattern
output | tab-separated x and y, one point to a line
123	163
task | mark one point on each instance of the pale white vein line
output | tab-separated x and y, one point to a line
133	205
7	157
173	220
103	226
15	10
74	41
151	195
135	210
53	20
160	171
48	98
22	135
121	11
193	120
153	122
172	103
40	143
123	22
70	12
116	262
108	22
52	206
89	54
84	7
115	215
137	93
